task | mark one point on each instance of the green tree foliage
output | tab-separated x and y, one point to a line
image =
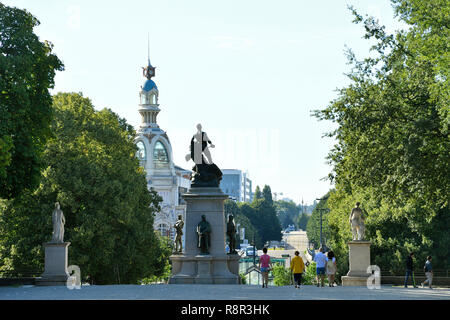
263	216
287	212
91	169
27	70
302	221
281	275
267	194
259	219
231	207
393	141
258	194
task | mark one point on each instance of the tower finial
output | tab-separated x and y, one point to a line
148	71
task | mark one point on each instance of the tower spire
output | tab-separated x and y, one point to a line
148	48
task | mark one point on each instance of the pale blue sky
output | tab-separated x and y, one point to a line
249	71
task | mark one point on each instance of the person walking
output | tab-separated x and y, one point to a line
265	265
297	267
410	270
331	268
321	262
428	268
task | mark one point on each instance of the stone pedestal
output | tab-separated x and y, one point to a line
359	261
217	267
56	258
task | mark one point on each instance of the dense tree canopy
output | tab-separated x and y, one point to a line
258	194
27	70
91	169
231	207
267	194
258	217
393	147
287	212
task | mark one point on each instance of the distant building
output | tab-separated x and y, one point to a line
237	185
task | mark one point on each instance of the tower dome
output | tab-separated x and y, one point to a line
149	85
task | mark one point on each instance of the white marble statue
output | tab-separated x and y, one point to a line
357	222
58	224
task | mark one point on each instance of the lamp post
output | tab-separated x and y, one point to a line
320	211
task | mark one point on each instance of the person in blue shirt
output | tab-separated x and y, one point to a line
428	268
321	262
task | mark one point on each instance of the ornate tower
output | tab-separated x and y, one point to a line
149	107
155	156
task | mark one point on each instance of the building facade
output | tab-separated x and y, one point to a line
156	157
237	185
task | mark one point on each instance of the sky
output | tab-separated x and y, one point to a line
251	72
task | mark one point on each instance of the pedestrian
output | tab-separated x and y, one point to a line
321	262
331	267
410	270
265	265
297	267
428	268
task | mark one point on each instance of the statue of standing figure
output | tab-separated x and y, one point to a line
204	235
357	222
179	233
231	234
204	173
58	224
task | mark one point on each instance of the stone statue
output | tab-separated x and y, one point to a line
205	172
58	224
179	233
204	235
357	222
231	234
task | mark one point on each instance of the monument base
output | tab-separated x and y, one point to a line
205	269
359	261
217	267
348	281
55	270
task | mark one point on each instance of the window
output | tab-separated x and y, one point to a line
160	156
141	151
165	231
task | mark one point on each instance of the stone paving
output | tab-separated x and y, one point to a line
219	292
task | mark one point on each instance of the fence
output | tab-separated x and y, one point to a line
253	276
440	278
19	277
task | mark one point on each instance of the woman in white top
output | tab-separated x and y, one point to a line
331	267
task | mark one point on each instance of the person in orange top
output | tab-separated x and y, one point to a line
297	267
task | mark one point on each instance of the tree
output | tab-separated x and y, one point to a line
91	169
287	212
246	216
302	221
231	207
266	221
267	194
393	141
27	70
258	194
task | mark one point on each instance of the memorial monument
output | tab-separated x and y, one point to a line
204	260
56	253
358	251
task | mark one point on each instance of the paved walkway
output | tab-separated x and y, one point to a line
219	292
